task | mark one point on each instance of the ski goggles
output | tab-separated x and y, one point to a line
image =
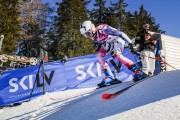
88	34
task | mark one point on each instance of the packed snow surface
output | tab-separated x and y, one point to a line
156	98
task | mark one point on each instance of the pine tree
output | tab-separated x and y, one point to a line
112	20
52	44
119	10
100	13
70	14
30	46
140	18
9	25
129	26
34	23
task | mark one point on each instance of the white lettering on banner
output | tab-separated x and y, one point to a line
22	83
99	69
89	70
83	74
30	81
80	70
13	83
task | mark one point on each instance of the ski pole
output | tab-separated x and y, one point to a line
157	58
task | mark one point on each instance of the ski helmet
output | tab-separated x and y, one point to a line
87	28
146	26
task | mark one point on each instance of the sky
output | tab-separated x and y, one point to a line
156	98
165	12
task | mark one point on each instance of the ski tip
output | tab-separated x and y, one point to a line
106	96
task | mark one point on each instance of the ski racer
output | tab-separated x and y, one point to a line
107	39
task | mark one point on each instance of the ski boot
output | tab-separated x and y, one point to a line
108	79
116	78
138	74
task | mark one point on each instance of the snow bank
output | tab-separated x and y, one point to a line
147	98
153	99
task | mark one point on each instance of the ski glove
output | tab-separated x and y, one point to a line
133	49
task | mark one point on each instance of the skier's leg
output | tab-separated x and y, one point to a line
118	55
138	74
109	77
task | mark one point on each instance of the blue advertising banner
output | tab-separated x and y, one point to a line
79	72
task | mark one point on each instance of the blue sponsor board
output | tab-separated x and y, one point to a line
79	72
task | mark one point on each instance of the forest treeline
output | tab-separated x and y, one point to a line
30	26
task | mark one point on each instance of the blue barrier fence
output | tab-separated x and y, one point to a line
79	72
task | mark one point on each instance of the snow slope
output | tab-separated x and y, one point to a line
156	98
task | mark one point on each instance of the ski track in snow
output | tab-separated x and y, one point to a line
156	98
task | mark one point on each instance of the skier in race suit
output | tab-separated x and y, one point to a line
109	40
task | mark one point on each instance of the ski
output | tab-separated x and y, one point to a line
112	95
119	82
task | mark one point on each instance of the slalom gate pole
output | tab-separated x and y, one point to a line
43	76
37	75
157	58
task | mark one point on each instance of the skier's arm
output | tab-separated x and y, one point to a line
114	32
